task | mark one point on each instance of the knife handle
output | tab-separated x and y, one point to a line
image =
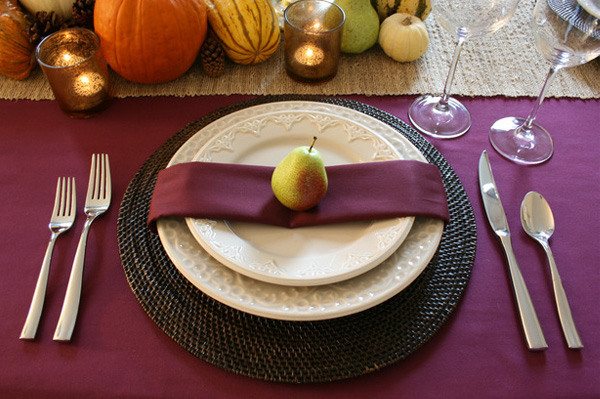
531	325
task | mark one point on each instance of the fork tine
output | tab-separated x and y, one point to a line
92	182
108	185
65	196
64	187
72	209
57	197
101	183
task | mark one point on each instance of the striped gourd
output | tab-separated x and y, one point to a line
418	8
247	29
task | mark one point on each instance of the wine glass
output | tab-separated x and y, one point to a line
441	115
567	35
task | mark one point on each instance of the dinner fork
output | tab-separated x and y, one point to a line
63	216
96	203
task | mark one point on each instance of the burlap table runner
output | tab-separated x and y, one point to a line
505	63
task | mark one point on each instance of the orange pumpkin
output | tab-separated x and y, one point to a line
16	52
150	41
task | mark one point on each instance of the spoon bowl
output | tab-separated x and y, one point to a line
538	222
536	217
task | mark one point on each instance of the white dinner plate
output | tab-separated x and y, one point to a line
302	256
300	302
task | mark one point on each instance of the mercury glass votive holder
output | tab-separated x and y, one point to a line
73	63
312	37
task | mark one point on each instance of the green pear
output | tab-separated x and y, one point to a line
299	181
361	29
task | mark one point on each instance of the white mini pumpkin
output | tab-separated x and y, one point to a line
403	37
60	7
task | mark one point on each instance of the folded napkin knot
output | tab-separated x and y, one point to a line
356	192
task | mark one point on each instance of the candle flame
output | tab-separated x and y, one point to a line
89	84
309	55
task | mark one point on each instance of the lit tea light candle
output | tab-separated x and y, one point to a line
309	55
89	84
68	59
315	27
312	39
76	70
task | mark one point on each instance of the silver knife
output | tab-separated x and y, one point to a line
497	219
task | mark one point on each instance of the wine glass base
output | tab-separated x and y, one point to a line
523	146
443	122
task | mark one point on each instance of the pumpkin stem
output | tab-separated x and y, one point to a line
407	21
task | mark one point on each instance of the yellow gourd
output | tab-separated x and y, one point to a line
248	29
61	7
403	37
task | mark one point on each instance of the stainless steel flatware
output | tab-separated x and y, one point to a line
63	216
96	203
497	219
538	222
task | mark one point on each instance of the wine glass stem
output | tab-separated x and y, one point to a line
532	115
443	104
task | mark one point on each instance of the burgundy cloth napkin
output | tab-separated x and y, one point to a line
356	192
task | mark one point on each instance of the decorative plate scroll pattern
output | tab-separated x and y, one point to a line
286	120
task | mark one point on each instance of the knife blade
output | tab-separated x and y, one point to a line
497	220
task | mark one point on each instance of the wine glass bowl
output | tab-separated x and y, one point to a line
442	116
473	19
565	33
567	36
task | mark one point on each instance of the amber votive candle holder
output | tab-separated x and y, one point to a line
312	38
73	63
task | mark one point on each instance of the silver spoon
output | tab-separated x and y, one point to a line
538	223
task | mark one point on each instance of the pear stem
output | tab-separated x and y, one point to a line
312	144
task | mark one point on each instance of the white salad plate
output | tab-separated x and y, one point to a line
301	256
295	302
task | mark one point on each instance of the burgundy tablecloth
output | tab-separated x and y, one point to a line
117	351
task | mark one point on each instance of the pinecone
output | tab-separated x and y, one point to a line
43	24
83	13
212	56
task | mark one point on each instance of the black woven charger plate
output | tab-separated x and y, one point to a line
290	351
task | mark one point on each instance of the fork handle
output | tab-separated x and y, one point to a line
68	314
37	302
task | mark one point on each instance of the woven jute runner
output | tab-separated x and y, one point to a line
505	63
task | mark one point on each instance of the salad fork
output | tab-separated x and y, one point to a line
63	216
96	203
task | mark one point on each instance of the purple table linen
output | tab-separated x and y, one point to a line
118	352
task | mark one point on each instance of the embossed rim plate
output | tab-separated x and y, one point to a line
309	302
304	256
